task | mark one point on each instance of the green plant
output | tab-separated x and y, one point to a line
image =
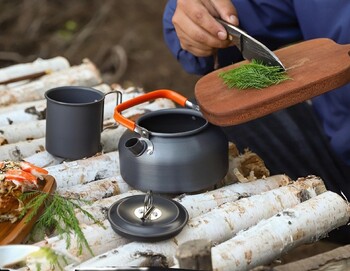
254	75
59	214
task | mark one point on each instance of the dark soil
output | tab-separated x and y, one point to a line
122	37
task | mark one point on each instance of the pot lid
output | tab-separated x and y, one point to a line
147	217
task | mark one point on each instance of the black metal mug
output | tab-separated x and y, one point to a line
74	121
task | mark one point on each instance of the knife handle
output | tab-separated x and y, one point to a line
233	33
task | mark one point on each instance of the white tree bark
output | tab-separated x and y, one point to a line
205	202
20	150
85	74
195	204
304	223
218	225
35	110
44	159
22	132
99	209
100	238
96	190
87	170
39	65
21	106
20	147
27	112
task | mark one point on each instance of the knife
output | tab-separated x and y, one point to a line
250	47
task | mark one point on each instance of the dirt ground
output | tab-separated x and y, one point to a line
123	38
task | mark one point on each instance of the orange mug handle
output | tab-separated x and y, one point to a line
161	93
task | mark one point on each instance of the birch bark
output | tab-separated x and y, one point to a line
85	74
39	65
304	223
96	190
22	132
218	225
100	238
20	113
195	204
19	150
44	159
87	170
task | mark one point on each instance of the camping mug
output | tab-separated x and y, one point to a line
74	121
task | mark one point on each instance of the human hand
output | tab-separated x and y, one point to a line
198	31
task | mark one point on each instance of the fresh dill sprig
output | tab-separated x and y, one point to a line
253	75
59	214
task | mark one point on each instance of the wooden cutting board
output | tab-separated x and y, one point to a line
15	233
315	66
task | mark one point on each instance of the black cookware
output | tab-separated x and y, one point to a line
171	150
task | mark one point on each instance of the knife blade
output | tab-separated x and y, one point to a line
250	47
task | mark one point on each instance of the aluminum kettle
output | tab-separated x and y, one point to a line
170	150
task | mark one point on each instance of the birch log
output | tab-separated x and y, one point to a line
87	170
35	110
22	132
100	211
109	138
33	150
44	159
109	141
195	255
20	150
96	190
27	112
306	222
114	240
218	225
85	74
39	65
200	203
101	238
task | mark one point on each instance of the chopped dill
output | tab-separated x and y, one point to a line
253	75
58	214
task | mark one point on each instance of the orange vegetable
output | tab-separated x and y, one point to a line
20	175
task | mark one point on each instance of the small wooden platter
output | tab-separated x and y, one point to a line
15	233
315	66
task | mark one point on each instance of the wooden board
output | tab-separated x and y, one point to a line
15	233
315	66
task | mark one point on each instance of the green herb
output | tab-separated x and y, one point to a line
59	214
253	75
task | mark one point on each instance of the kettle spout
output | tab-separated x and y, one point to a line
136	146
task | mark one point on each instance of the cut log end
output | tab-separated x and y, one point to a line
195	255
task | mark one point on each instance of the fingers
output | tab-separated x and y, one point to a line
196	27
196	48
226	11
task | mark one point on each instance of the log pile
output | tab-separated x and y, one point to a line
247	220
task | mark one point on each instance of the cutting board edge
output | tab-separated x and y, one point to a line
17	237
292	99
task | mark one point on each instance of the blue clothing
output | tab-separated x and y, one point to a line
276	23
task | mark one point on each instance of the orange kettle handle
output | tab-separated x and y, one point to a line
161	93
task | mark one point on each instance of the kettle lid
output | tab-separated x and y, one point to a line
148	218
